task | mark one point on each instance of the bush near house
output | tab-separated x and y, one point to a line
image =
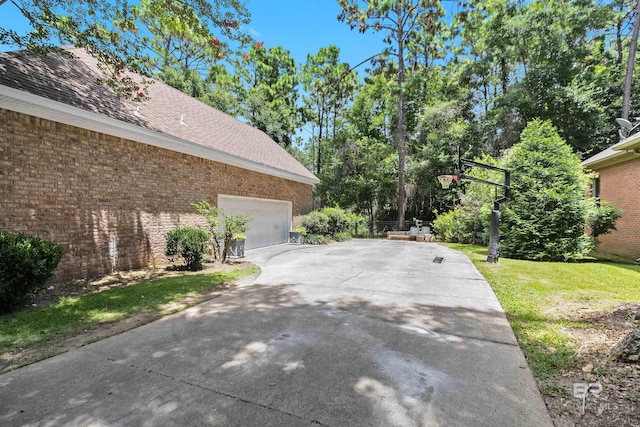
26	263
188	243
602	219
332	224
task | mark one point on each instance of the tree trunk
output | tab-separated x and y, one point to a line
619	36
504	74
320	129
225	251
626	96
401	131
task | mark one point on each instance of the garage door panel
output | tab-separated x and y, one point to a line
272	219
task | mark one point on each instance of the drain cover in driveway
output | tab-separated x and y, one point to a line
438	259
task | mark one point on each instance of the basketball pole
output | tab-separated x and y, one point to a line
494	235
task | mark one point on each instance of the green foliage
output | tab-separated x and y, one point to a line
75	315
329	85
234	226
528	61
26	263
535	297
212	216
315	239
356	225
343	236
447	226
266	87
333	221
146	36
602	219
300	230
469	221
188	243
546	217
316	222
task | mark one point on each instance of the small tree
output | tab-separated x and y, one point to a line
546	216
234	226
212	216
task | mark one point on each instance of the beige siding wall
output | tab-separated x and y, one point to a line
619	185
109	201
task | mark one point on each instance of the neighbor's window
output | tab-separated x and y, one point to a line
595	189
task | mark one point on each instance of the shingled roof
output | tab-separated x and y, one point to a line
63	88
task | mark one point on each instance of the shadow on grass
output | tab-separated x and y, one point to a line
78	314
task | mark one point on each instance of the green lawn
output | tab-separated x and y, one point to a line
72	316
536	296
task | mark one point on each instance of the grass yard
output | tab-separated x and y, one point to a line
565	316
26	332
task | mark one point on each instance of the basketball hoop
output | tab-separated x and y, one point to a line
446	180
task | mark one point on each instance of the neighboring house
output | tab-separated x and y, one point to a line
618	168
106	178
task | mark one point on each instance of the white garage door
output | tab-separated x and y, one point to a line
272	219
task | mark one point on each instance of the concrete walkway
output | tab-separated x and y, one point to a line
362	333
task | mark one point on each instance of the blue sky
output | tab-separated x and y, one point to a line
304	26
301	26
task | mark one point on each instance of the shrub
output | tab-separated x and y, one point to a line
337	220
333	221
546	216
356	222
26	263
316	222
189	243
446	226
315	239
343	237
602	219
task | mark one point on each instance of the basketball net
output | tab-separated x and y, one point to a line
446	180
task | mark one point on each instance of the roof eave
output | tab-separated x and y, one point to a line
617	157
632	143
27	103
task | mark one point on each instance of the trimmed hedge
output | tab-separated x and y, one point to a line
26	263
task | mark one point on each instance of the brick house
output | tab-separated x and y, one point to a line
618	168
106	178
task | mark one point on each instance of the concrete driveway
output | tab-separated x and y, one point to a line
362	333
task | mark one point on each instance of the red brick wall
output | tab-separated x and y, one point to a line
109	201
620	185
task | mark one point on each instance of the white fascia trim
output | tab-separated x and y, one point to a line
34	105
628	143
609	160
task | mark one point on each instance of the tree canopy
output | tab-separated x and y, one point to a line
470	77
